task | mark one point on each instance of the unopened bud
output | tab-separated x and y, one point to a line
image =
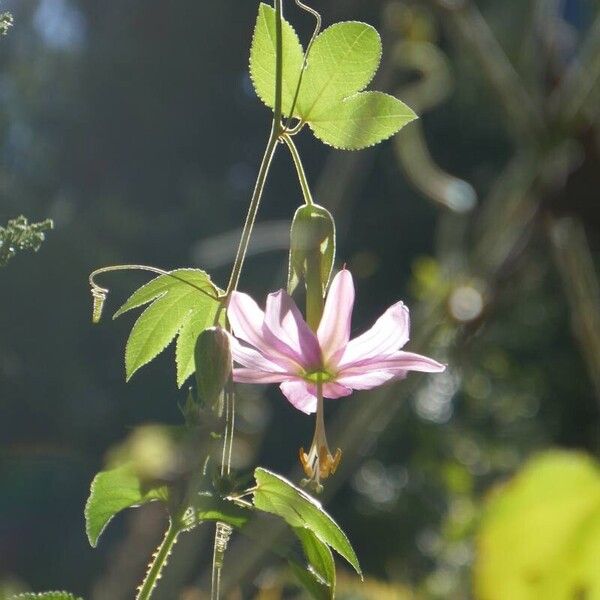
213	365
312	254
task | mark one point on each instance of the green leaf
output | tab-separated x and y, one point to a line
111	492
184	303
311	583
276	495
342	61
321	566
209	507
540	533
46	596
362	120
262	59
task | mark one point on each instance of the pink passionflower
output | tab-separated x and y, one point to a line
277	346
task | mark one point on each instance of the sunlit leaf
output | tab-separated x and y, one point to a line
209	507
184	303
319	577
342	61
46	596
262	59
276	495
310	582
362	120
111	492
540	535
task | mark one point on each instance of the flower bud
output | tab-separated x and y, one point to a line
213	366
312	253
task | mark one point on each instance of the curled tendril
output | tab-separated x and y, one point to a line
99	294
317	16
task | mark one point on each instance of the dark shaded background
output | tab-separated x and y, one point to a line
133	124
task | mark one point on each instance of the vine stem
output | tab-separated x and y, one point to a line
159	561
223	531
308	199
234	279
276	131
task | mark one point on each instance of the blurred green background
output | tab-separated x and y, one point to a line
134	126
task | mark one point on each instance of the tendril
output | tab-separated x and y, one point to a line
294	130
99	294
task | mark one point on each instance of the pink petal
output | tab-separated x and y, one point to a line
398	361
246	320
335	390
242	375
249	357
301	396
285	329
388	334
370	379
334	328
368	374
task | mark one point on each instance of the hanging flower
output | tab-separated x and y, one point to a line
277	346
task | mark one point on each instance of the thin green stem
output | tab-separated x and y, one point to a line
316	31
159	561
299	168
276	131
252	211
223	531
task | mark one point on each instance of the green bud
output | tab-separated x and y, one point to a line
213	366
312	253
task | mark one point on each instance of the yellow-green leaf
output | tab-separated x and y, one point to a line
111	492
540	534
262	59
184	303
342	61
362	120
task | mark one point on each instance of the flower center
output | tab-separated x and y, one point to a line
318	375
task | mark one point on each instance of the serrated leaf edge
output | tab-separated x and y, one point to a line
129	375
262	7
86	511
122	310
41	595
307	119
86	514
318	505
383	139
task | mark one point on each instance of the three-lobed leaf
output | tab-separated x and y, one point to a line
183	304
262	59
276	495
342	61
362	120
111	492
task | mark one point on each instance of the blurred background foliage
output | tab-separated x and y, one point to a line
133	125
